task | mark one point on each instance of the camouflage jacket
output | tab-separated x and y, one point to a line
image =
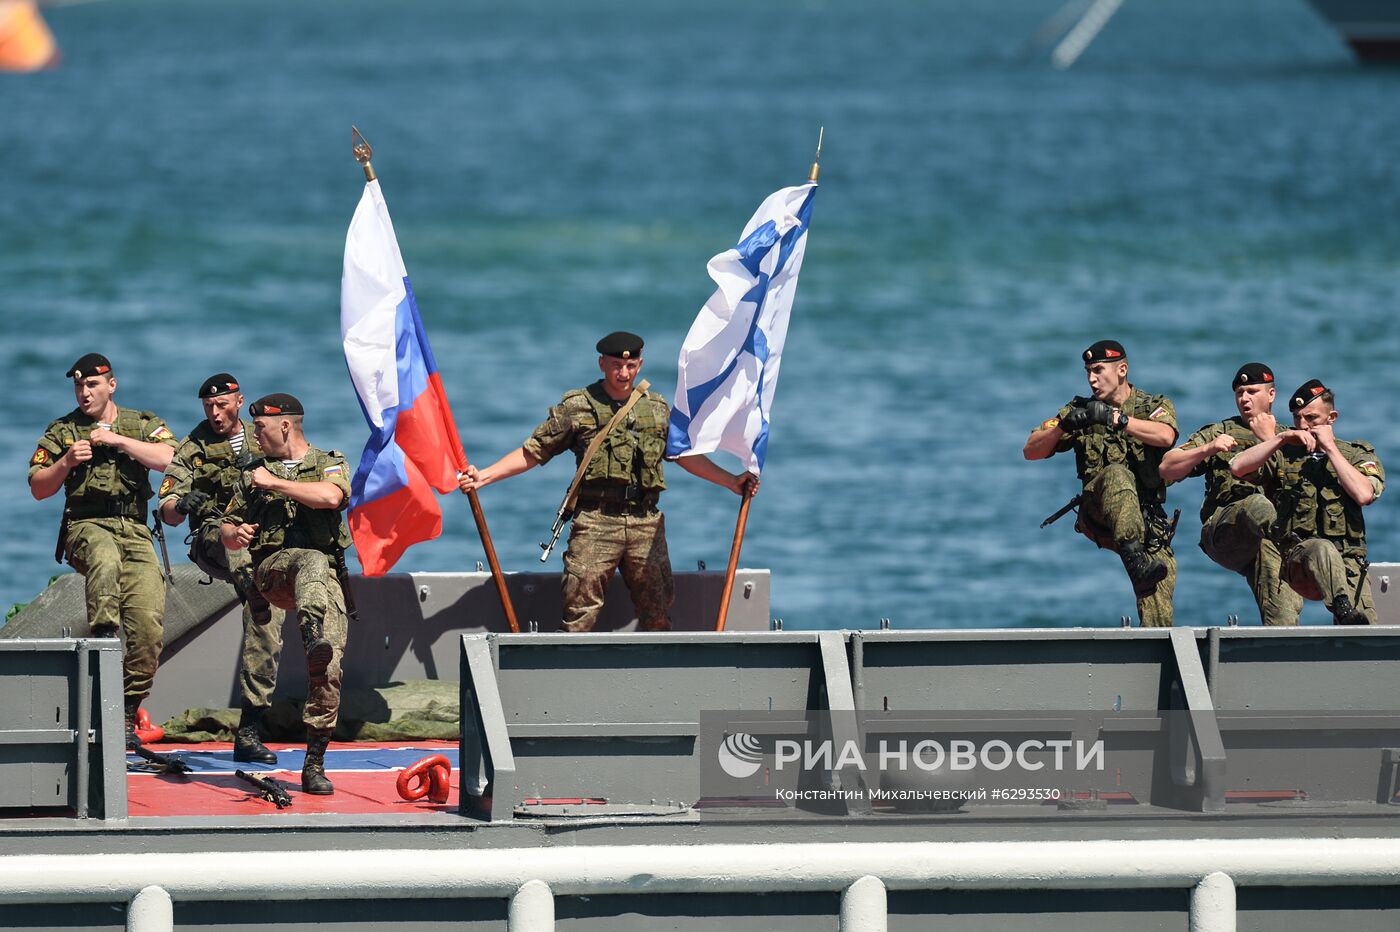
284	523
205	462
1223	487
1100	446
633	452
110	483
1311	502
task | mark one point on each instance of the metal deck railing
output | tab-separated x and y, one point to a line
863	874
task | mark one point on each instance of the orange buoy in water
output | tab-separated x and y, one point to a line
26	44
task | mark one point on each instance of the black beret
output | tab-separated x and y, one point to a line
91	364
275	404
221	384
621	344
1105	351
1306	394
1253	373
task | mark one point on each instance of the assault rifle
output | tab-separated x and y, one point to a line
163	763
566	507
1069	506
342	573
268	788
158	532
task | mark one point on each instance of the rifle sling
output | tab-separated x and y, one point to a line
638	391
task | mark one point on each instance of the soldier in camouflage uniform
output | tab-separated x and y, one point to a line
1236	516
1118	437
286	512
199	482
100	455
616	524
1319	485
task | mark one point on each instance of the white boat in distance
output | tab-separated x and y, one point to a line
1370	27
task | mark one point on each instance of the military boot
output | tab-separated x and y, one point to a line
313	772
1144	571
247	747
318	650
1344	613
133	740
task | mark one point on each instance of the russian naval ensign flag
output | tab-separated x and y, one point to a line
413	445
730	359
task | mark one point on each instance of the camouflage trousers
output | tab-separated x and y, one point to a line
601	543
125	591
1320	570
1236	537
262	623
304	581
1111	515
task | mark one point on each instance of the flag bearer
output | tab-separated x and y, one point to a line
616	524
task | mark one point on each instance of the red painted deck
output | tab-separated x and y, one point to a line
364	776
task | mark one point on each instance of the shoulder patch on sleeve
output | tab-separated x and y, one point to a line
161	432
166	485
1161	410
333	470
1049	423
40	458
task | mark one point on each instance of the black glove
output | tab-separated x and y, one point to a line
191	502
1093	412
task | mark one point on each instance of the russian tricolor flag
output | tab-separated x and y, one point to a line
413	445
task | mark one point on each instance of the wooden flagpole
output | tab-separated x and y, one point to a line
734	549
491	561
743	520
363	153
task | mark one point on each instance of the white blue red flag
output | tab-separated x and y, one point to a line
730	359
413	445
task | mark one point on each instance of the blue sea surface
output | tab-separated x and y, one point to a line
1212	183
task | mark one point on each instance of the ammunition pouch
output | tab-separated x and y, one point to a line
211	557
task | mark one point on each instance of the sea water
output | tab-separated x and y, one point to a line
1212	183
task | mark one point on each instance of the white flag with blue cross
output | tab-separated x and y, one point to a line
728	369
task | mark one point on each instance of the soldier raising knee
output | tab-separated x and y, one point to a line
1118	436
1319	485
286	512
1236	516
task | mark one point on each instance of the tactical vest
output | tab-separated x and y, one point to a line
633	452
1311	501
213	467
1100	446
1222	486
284	523
111	483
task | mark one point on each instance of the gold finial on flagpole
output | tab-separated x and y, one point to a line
359	146
817	161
